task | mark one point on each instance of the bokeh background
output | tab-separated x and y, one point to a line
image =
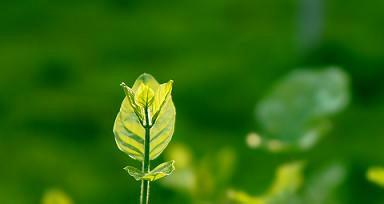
61	64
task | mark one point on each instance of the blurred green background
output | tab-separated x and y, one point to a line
61	64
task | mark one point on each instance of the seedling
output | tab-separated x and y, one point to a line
143	128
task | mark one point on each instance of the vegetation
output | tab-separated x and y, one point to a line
144	127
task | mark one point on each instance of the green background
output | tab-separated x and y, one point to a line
61	64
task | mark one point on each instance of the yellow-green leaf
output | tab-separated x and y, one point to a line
144	95
162	130
146	79
131	98
129	125
160	171
161	96
134	172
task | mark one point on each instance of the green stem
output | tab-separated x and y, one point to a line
144	197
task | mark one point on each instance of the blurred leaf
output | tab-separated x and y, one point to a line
322	186
128	128
185	178
56	196
376	175
287	181
297	109
243	198
204	178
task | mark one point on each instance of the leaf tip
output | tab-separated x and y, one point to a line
122	84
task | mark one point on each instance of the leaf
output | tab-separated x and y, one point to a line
287	181
56	196
128	128
144	95
162	130
159	172
376	175
160	99
134	172
131	98
146	79
324	184
297	110
129	133
243	198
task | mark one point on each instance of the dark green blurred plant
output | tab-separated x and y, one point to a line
295	114
144	127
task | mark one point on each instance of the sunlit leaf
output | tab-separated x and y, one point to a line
162	130
144	95
376	175
160	99
160	171
134	172
129	124
297	110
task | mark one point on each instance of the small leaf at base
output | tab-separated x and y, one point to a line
134	172
160	171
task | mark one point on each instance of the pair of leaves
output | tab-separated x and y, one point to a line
129	127
159	172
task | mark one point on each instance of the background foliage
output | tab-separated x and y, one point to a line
61	64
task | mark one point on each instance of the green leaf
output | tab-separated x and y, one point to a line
324	184
144	95
296	112
160	99
131	98
159	172
129	124
164	125
134	172
146	79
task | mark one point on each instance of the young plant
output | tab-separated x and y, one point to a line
143	128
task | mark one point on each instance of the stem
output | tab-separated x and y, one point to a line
144	197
